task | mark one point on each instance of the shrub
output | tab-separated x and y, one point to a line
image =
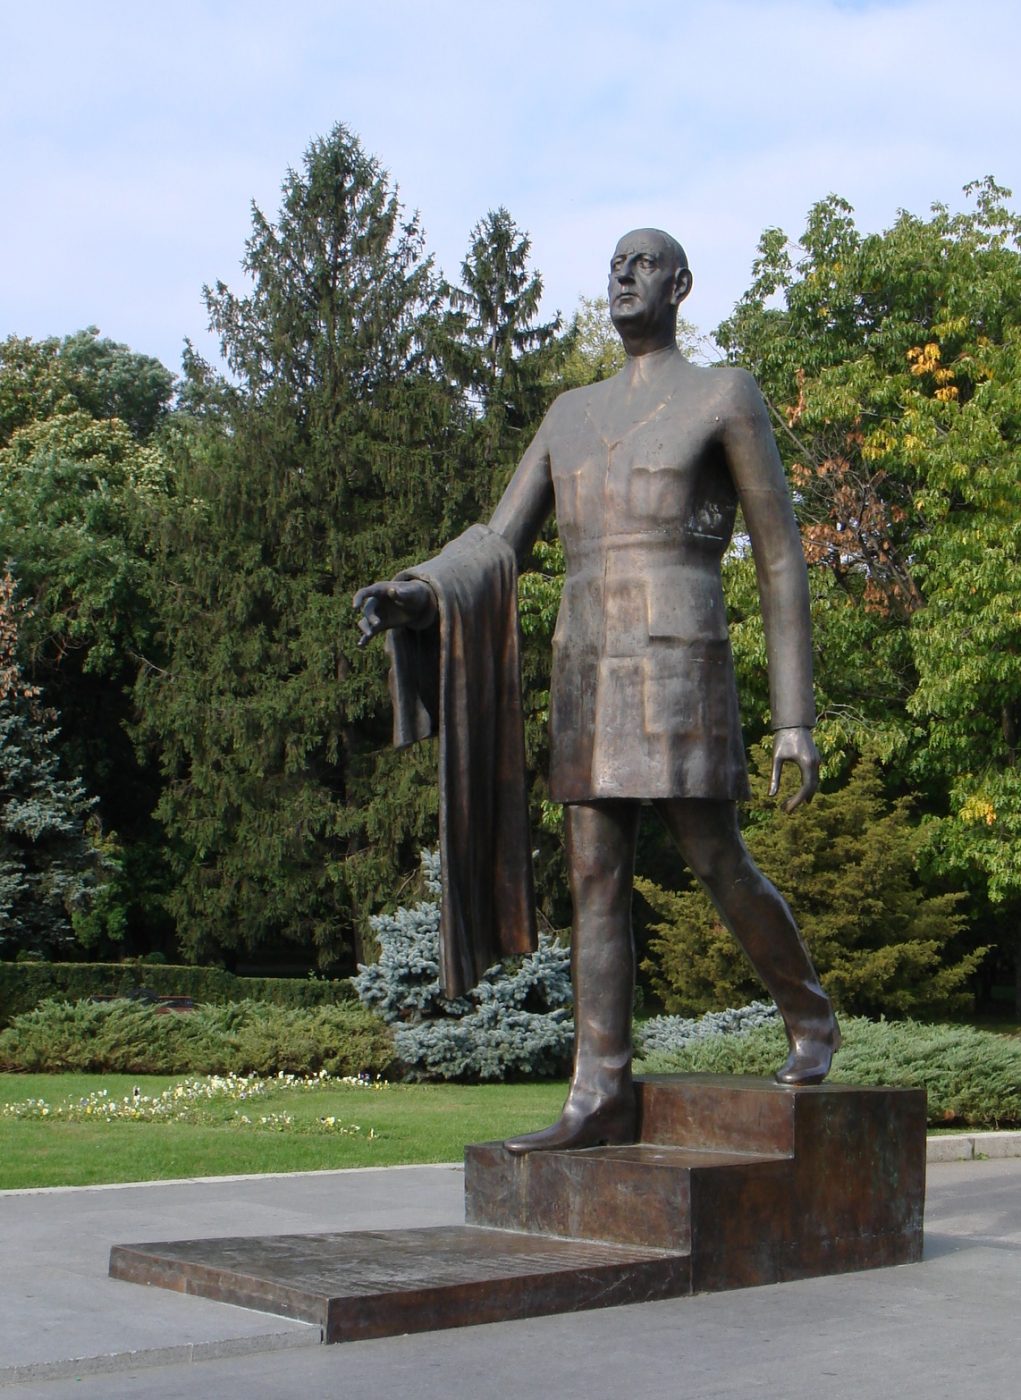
23	986
516	1021
972	1077
242	1037
668	1033
883	945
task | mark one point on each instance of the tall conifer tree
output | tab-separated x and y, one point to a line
330	462
498	351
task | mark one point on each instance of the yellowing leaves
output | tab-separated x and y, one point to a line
927	359
978	809
877	445
924	358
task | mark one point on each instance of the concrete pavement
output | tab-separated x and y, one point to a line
941	1328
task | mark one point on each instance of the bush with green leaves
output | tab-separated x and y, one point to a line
972	1077
884	943
516	1021
23	985
246	1037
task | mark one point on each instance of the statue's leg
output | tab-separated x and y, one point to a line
600	1106
709	840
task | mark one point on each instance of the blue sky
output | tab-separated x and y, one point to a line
133	137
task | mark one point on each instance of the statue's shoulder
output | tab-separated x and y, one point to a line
573	403
728	381
730	390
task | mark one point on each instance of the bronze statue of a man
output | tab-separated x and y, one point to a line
645	472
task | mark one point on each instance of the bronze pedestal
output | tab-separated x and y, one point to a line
733	1182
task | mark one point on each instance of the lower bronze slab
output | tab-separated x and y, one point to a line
379	1283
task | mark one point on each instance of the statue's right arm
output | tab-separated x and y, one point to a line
523	509
528	500
393	603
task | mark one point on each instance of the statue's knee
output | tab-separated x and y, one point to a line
722	865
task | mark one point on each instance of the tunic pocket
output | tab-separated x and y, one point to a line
656	494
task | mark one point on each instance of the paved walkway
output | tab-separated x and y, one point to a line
943	1328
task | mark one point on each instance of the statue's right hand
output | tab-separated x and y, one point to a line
396	603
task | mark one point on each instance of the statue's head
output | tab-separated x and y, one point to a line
649	278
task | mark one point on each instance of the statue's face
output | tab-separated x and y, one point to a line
646	286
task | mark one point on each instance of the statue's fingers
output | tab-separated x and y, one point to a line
774	781
796	800
369	623
805	793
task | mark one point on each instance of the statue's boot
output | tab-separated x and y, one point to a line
601	1108
588	1120
811	1051
758	917
772	942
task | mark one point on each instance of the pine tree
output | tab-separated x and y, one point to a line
498	352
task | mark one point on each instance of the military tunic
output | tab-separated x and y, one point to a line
645	472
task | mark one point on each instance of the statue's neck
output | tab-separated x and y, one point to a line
642	369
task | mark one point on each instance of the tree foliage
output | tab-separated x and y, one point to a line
891	366
81	373
82	479
49	867
498	356
881	942
332	461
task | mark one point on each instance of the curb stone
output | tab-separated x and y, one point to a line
969	1147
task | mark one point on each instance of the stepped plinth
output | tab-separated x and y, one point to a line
733	1182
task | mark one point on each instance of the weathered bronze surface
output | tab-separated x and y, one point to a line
384	1283
645	472
734	1182
759	1183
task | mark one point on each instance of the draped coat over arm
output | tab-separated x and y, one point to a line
460	678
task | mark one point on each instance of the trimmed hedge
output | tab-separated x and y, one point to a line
24	985
126	1037
972	1078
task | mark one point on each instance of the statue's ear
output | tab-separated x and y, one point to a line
682	285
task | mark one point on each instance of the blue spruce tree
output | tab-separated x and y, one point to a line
48	866
516	1021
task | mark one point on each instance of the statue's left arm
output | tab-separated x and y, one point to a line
758	476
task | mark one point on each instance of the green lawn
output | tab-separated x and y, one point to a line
411	1123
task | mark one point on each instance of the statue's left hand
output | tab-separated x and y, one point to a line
795	746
